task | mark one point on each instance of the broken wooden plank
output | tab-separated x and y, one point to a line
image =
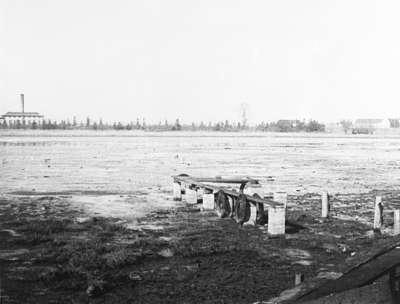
361	275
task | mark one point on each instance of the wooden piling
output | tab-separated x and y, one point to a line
176	188
378	214
324	204
396	222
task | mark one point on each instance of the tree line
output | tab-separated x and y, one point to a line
226	126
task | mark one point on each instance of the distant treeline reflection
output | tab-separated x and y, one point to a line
278	126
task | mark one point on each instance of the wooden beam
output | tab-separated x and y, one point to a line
190	181
225	180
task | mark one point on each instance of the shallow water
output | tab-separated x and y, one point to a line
122	172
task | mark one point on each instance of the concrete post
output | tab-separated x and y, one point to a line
208	201
281	197
176	188
324	204
276	221
191	196
396	222
378	215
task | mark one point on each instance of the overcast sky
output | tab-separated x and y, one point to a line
199	60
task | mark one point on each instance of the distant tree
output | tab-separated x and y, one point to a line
315	126
347	125
217	127
177	126
74	123
87	122
243	114
299	126
227	125
120	126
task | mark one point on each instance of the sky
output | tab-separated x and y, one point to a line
201	60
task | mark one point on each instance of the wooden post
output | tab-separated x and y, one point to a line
191	196
208	200
298	279
378	215
281	197
276	221
176	188
324	204
396	222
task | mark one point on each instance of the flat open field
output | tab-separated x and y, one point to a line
139	165
89	216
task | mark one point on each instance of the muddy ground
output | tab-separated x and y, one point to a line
52	252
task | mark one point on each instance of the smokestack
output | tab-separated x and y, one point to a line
23	103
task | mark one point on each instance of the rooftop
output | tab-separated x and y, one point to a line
369	120
21	114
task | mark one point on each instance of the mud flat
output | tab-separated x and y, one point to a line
53	252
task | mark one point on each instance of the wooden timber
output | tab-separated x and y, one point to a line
254	200
225	180
363	274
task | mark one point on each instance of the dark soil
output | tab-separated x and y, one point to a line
51	253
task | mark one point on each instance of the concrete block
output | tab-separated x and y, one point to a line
191	196
176	188
208	201
276	221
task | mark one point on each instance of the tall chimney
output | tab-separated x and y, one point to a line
23	103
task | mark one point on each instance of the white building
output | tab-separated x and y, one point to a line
372	124
22	118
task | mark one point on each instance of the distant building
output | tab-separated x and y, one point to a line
372	124
394	122
23	118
